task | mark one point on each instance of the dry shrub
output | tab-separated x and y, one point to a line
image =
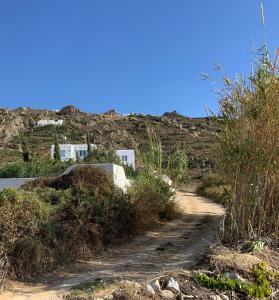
4	267
55	220
89	220
86	177
129	290
224	260
21	215
249	154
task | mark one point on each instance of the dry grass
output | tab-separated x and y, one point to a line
224	260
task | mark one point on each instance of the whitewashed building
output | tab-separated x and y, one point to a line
127	157
74	151
42	123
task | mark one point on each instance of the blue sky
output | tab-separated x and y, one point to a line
131	55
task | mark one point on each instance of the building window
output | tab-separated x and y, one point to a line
62	153
124	158
82	153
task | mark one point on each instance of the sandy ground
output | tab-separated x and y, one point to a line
173	246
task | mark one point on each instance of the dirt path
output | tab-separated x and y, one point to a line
173	246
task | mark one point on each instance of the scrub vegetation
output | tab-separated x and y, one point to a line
35	168
249	154
215	187
260	288
53	220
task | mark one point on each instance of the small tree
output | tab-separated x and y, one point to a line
25	150
56	155
89	147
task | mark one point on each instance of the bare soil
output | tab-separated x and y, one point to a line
173	246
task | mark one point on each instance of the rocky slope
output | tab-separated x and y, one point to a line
108	129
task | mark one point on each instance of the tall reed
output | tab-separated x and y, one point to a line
249	153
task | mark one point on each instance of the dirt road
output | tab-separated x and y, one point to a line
173	246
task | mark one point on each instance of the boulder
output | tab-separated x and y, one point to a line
155	284
184	297
218	297
173	285
150	290
167	294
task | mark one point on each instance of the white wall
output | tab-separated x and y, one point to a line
50	122
129	154
13	182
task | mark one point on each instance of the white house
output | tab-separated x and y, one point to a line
74	151
50	122
127	157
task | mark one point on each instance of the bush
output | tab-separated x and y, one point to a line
102	155
52	221
152	198
84	177
84	212
33	169
89	220
21	216
215	187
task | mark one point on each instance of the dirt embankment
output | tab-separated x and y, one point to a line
173	246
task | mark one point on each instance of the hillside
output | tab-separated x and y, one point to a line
108	129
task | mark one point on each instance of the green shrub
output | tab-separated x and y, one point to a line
214	187
102	155
130	172
21	216
33	169
87	210
152	198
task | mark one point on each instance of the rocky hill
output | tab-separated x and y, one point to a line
108	129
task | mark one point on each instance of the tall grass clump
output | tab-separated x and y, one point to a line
249	153
174	165
177	167
152	158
